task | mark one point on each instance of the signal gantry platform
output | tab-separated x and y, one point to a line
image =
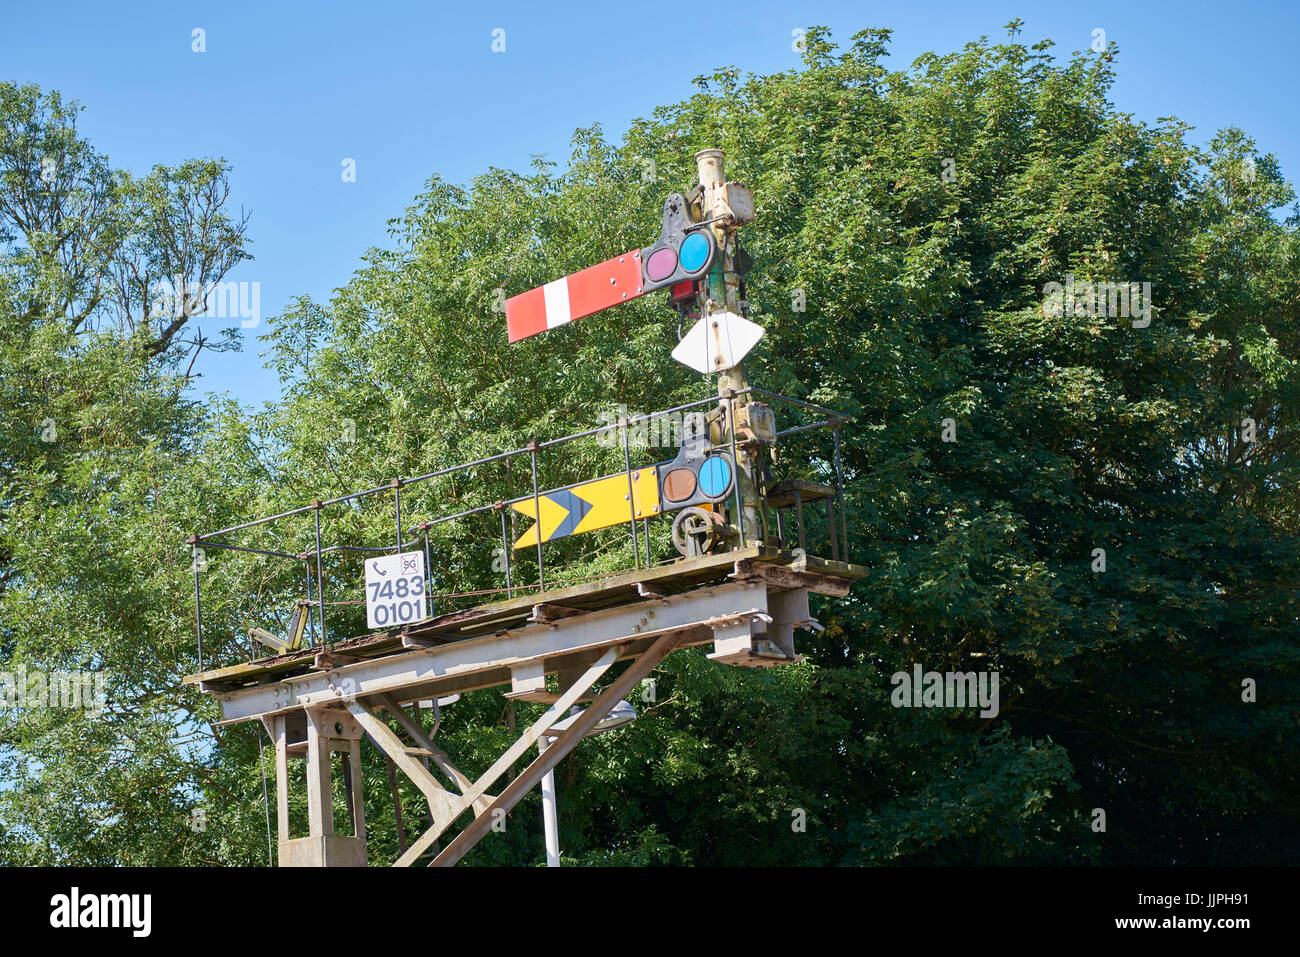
740	580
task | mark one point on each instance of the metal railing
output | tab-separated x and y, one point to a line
316	596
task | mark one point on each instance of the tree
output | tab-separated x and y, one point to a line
1101	527
88	245
921	216
106	462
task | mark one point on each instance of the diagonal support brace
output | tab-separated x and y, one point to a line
512	754
436	754
560	746
443	805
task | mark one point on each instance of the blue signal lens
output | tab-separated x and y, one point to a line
715	476
694	254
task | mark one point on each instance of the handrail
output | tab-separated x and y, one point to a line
834	421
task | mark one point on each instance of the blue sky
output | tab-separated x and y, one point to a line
286	91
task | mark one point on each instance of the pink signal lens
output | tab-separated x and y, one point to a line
660	265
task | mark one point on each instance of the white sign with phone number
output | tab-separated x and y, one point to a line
395	593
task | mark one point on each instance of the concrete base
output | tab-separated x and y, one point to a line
323	852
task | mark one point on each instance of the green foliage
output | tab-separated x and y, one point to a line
918	215
106	463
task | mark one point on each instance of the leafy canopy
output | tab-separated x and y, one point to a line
917	216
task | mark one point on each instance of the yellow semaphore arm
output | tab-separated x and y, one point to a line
588	506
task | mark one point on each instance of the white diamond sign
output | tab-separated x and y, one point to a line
717	342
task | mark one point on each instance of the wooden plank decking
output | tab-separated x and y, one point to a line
822	575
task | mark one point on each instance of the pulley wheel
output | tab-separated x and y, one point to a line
695	531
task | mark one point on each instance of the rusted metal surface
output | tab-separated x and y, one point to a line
512	612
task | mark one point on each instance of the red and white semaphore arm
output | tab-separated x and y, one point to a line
683	253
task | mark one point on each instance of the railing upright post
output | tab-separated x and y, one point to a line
428	574
537	516
735	461
320	579
397	503
631	495
839	494
198	601
505	553
315	639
